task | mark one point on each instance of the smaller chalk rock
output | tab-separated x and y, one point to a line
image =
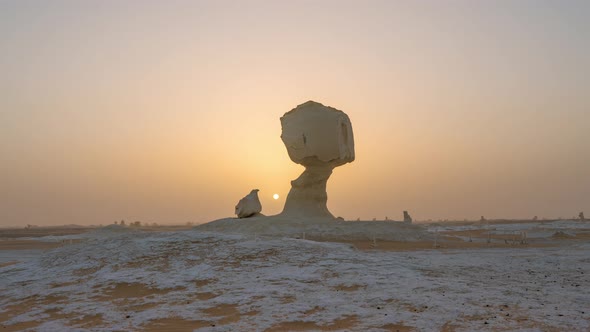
249	205
407	218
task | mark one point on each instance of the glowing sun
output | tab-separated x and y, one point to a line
275	196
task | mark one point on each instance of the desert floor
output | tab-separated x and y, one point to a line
469	277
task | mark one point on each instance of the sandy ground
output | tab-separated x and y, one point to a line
8	233
27	245
143	301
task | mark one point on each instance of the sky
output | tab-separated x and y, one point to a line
168	111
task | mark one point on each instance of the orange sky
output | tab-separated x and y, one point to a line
169	112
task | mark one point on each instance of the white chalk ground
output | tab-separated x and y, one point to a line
319	228
283	279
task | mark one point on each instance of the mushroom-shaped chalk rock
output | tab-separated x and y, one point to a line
319	138
249	205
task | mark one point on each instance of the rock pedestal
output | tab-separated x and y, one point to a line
319	138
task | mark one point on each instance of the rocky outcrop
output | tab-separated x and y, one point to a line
249	205
407	217
319	138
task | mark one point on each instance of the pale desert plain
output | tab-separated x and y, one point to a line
462	276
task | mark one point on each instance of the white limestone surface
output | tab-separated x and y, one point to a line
273	280
314	132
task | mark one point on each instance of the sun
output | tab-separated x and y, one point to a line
275	196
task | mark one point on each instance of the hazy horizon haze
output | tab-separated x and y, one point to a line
168	112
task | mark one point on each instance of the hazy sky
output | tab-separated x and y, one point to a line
168	111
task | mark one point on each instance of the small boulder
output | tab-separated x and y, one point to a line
407	218
249	205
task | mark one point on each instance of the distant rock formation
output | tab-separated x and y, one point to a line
581	215
249	205
482	218
407	218
319	138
